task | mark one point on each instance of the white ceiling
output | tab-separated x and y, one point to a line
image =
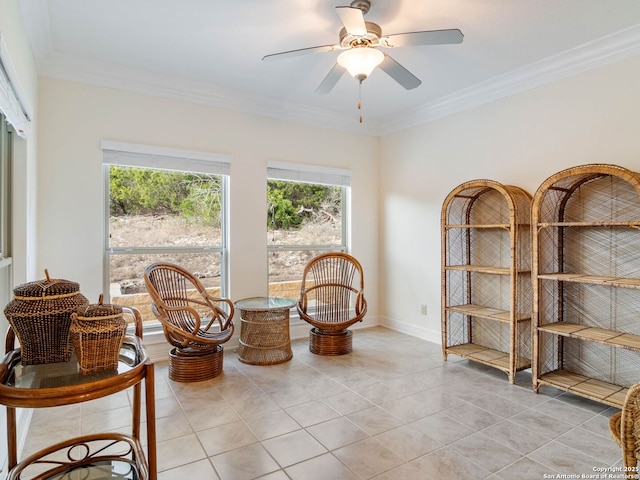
210	51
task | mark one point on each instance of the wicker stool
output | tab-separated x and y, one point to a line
195	368
264	330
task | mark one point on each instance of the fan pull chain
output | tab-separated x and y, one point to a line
360	99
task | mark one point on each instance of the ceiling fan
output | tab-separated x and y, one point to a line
359	42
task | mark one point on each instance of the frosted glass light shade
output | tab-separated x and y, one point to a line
360	61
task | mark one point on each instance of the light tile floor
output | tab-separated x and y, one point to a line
392	409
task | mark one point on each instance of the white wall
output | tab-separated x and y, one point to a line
25	160
76	117
521	140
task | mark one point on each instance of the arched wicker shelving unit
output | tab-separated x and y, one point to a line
486	275
586	282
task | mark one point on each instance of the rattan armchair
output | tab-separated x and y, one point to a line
195	323
331	300
625	428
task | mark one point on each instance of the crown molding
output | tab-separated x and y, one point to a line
93	72
611	48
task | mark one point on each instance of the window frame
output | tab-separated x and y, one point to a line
160	158
304	173
6	149
7	138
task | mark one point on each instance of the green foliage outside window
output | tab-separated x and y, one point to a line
140	191
290	204
282	214
197	197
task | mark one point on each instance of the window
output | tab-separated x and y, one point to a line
5	238
5	191
163	205
6	147
307	214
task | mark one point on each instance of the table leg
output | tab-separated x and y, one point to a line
149	386
137	397
12	444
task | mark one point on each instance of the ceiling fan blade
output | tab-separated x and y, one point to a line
301	51
430	37
330	80
400	74
353	20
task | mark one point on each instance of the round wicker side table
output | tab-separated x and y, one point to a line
264	330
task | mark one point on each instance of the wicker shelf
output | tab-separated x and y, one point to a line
488	313
592	279
488	356
486	287
480	269
593	334
586	336
631	224
584	386
504	226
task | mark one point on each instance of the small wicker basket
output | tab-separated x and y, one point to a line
96	332
40	315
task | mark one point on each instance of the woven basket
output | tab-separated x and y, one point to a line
96	333
40	314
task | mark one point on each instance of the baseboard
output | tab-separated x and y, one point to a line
433	336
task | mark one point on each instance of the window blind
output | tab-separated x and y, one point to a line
12	104
308	173
162	158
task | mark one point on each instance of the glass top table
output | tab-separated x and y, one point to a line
265	303
102	470
55	384
100	456
64	374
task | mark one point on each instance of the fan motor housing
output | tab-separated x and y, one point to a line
374	32
363	5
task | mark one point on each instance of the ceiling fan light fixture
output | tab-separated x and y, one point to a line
360	61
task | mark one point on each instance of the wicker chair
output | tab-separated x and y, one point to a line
195	323
625	427
331	300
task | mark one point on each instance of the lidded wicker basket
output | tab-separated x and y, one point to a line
40	314
97	331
